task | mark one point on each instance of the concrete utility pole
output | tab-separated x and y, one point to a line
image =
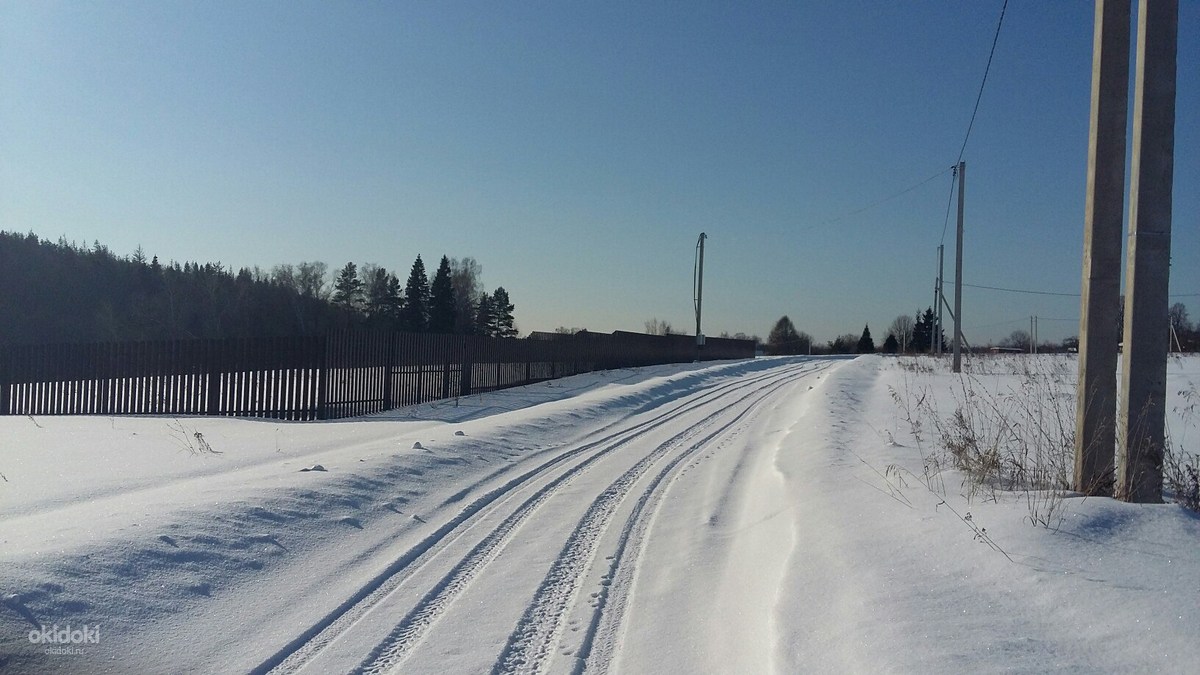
1144	374
962	177
937	301
699	287
933	347
1096	395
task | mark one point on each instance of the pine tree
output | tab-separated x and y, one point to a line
414	317
484	315
442	304
866	344
348	289
503	322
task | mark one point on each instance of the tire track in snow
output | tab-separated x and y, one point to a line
603	630
532	642
397	645
297	653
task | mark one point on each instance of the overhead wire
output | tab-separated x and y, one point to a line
1063	295
885	200
1017	290
982	83
949	201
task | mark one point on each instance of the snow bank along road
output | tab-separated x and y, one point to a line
632	526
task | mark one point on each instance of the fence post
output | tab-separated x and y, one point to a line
389	362
528	361
322	375
465	380
5	368
213	364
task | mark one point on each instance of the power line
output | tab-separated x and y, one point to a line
979	97
1063	295
1000	323
1017	290
885	199
949	201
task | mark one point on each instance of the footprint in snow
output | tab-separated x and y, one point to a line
352	522
169	541
203	588
14	602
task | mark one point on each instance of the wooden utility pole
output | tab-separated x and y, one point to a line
1095	423
1144	373
962	173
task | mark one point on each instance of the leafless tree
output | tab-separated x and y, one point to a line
310	279
1179	318
466	276
902	328
656	326
1018	339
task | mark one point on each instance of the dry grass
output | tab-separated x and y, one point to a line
1002	437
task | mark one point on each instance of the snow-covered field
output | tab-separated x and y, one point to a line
749	517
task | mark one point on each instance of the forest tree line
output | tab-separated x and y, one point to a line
66	292
918	335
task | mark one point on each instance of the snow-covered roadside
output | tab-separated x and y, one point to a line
739	517
886	576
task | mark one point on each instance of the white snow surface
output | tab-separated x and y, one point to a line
737	517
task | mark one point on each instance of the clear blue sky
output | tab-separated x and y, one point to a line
578	150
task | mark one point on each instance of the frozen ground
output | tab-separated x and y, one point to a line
752	517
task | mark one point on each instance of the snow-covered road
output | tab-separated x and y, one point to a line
534	566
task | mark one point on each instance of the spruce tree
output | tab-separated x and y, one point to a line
503	321
380	303
485	315
866	344
442	305
395	296
415	315
922	336
891	345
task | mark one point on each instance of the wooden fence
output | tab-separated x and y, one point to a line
342	374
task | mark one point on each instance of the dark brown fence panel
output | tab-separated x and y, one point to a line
345	373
